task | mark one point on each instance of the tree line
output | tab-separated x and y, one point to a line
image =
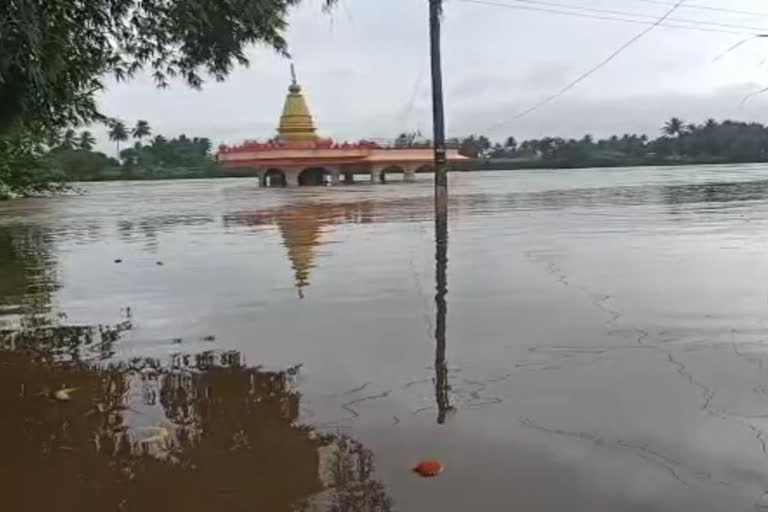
70	156
678	143
179	157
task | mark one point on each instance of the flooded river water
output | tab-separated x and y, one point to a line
210	345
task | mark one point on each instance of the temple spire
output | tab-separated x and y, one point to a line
296	123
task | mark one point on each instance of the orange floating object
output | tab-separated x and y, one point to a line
428	468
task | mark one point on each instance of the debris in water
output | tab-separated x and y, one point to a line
118	260
428	468
64	394
161	437
159	263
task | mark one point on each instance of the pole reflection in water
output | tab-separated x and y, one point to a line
441	266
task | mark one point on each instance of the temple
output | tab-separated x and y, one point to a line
298	156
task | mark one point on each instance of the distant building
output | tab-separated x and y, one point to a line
298	156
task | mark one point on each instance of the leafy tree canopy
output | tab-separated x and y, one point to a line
54	54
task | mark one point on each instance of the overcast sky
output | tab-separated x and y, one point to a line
365	71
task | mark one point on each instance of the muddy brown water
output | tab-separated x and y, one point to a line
602	345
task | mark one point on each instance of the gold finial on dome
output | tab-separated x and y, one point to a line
295	87
296	123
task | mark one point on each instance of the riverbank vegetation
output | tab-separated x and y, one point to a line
32	163
711	142
34	167
158	158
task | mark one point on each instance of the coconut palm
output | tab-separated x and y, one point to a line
118	133
69	139
673	127
86	141
141	130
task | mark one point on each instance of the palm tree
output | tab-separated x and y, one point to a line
118	133
86	141
141	130
69	139
673	127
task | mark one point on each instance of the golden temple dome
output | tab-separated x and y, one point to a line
296	123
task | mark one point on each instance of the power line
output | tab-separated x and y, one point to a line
710	8
637	15
703	7
406	112
592	70
742	42
596	17
613	15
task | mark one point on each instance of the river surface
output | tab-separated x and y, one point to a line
210	345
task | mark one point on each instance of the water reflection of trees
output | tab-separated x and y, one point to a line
715	192
75	435
27	274
149	227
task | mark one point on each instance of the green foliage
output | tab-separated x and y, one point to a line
84	165
141	130
673	127
711	142
161	156
24	169
69	139
475	146
180	157
86	141
55	54
118	132
6	192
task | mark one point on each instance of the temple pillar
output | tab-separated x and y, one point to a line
262	174
292	177
349	177
410	174
376	176
335	176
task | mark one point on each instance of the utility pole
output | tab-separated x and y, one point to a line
438	118
441	215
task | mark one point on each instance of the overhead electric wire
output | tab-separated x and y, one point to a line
621	16
703	7
406	112
735	46
583	8
591	70
634	14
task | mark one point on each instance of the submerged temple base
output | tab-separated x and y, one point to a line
328	175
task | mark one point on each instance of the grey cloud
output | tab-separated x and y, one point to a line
576	116
366	74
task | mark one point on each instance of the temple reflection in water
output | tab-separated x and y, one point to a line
302	225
